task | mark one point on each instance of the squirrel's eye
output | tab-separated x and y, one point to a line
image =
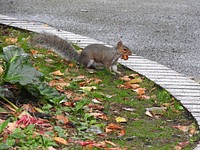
125	49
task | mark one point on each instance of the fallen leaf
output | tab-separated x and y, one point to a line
121	133
128	109
148	113
11	126
11	40
140	91
134	81
111	143
133	75
95	106
96	101
144	97
62	118
120	120
58	73
135	86
77	98
113	126
157	110
33	52
1	69
99	115
60	140
71	65
125	78
28	108
181	145
88	88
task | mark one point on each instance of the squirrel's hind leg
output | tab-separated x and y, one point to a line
90	63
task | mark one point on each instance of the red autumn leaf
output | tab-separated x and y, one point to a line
25	120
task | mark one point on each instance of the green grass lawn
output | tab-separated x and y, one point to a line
90	109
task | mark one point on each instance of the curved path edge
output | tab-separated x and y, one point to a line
182	88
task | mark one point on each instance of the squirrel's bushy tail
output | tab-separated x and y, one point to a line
59	45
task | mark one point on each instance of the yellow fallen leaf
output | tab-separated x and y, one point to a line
88	88
134	81
60	140
120	119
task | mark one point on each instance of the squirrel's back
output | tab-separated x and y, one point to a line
53	42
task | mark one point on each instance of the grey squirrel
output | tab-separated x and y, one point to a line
94	53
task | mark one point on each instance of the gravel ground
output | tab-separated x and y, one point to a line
167	31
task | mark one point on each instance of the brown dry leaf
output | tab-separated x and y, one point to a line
11	126
11	40
111	143
122	132
181	145
95	106
60	140
99	115
135	86
71	65
95	81
166	104
193	129
125	78
140	91
156	111
77	98
62	118
69	104
182	128
114	126
144	97
58	73
69	94
28	108
33	52
59	84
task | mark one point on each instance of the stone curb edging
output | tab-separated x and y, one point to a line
182	88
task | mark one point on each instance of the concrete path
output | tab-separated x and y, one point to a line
183	89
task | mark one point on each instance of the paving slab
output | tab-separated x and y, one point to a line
181	87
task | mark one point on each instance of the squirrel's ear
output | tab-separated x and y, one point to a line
119	44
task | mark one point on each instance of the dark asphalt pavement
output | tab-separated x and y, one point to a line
167	31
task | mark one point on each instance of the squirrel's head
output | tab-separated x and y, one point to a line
123	50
